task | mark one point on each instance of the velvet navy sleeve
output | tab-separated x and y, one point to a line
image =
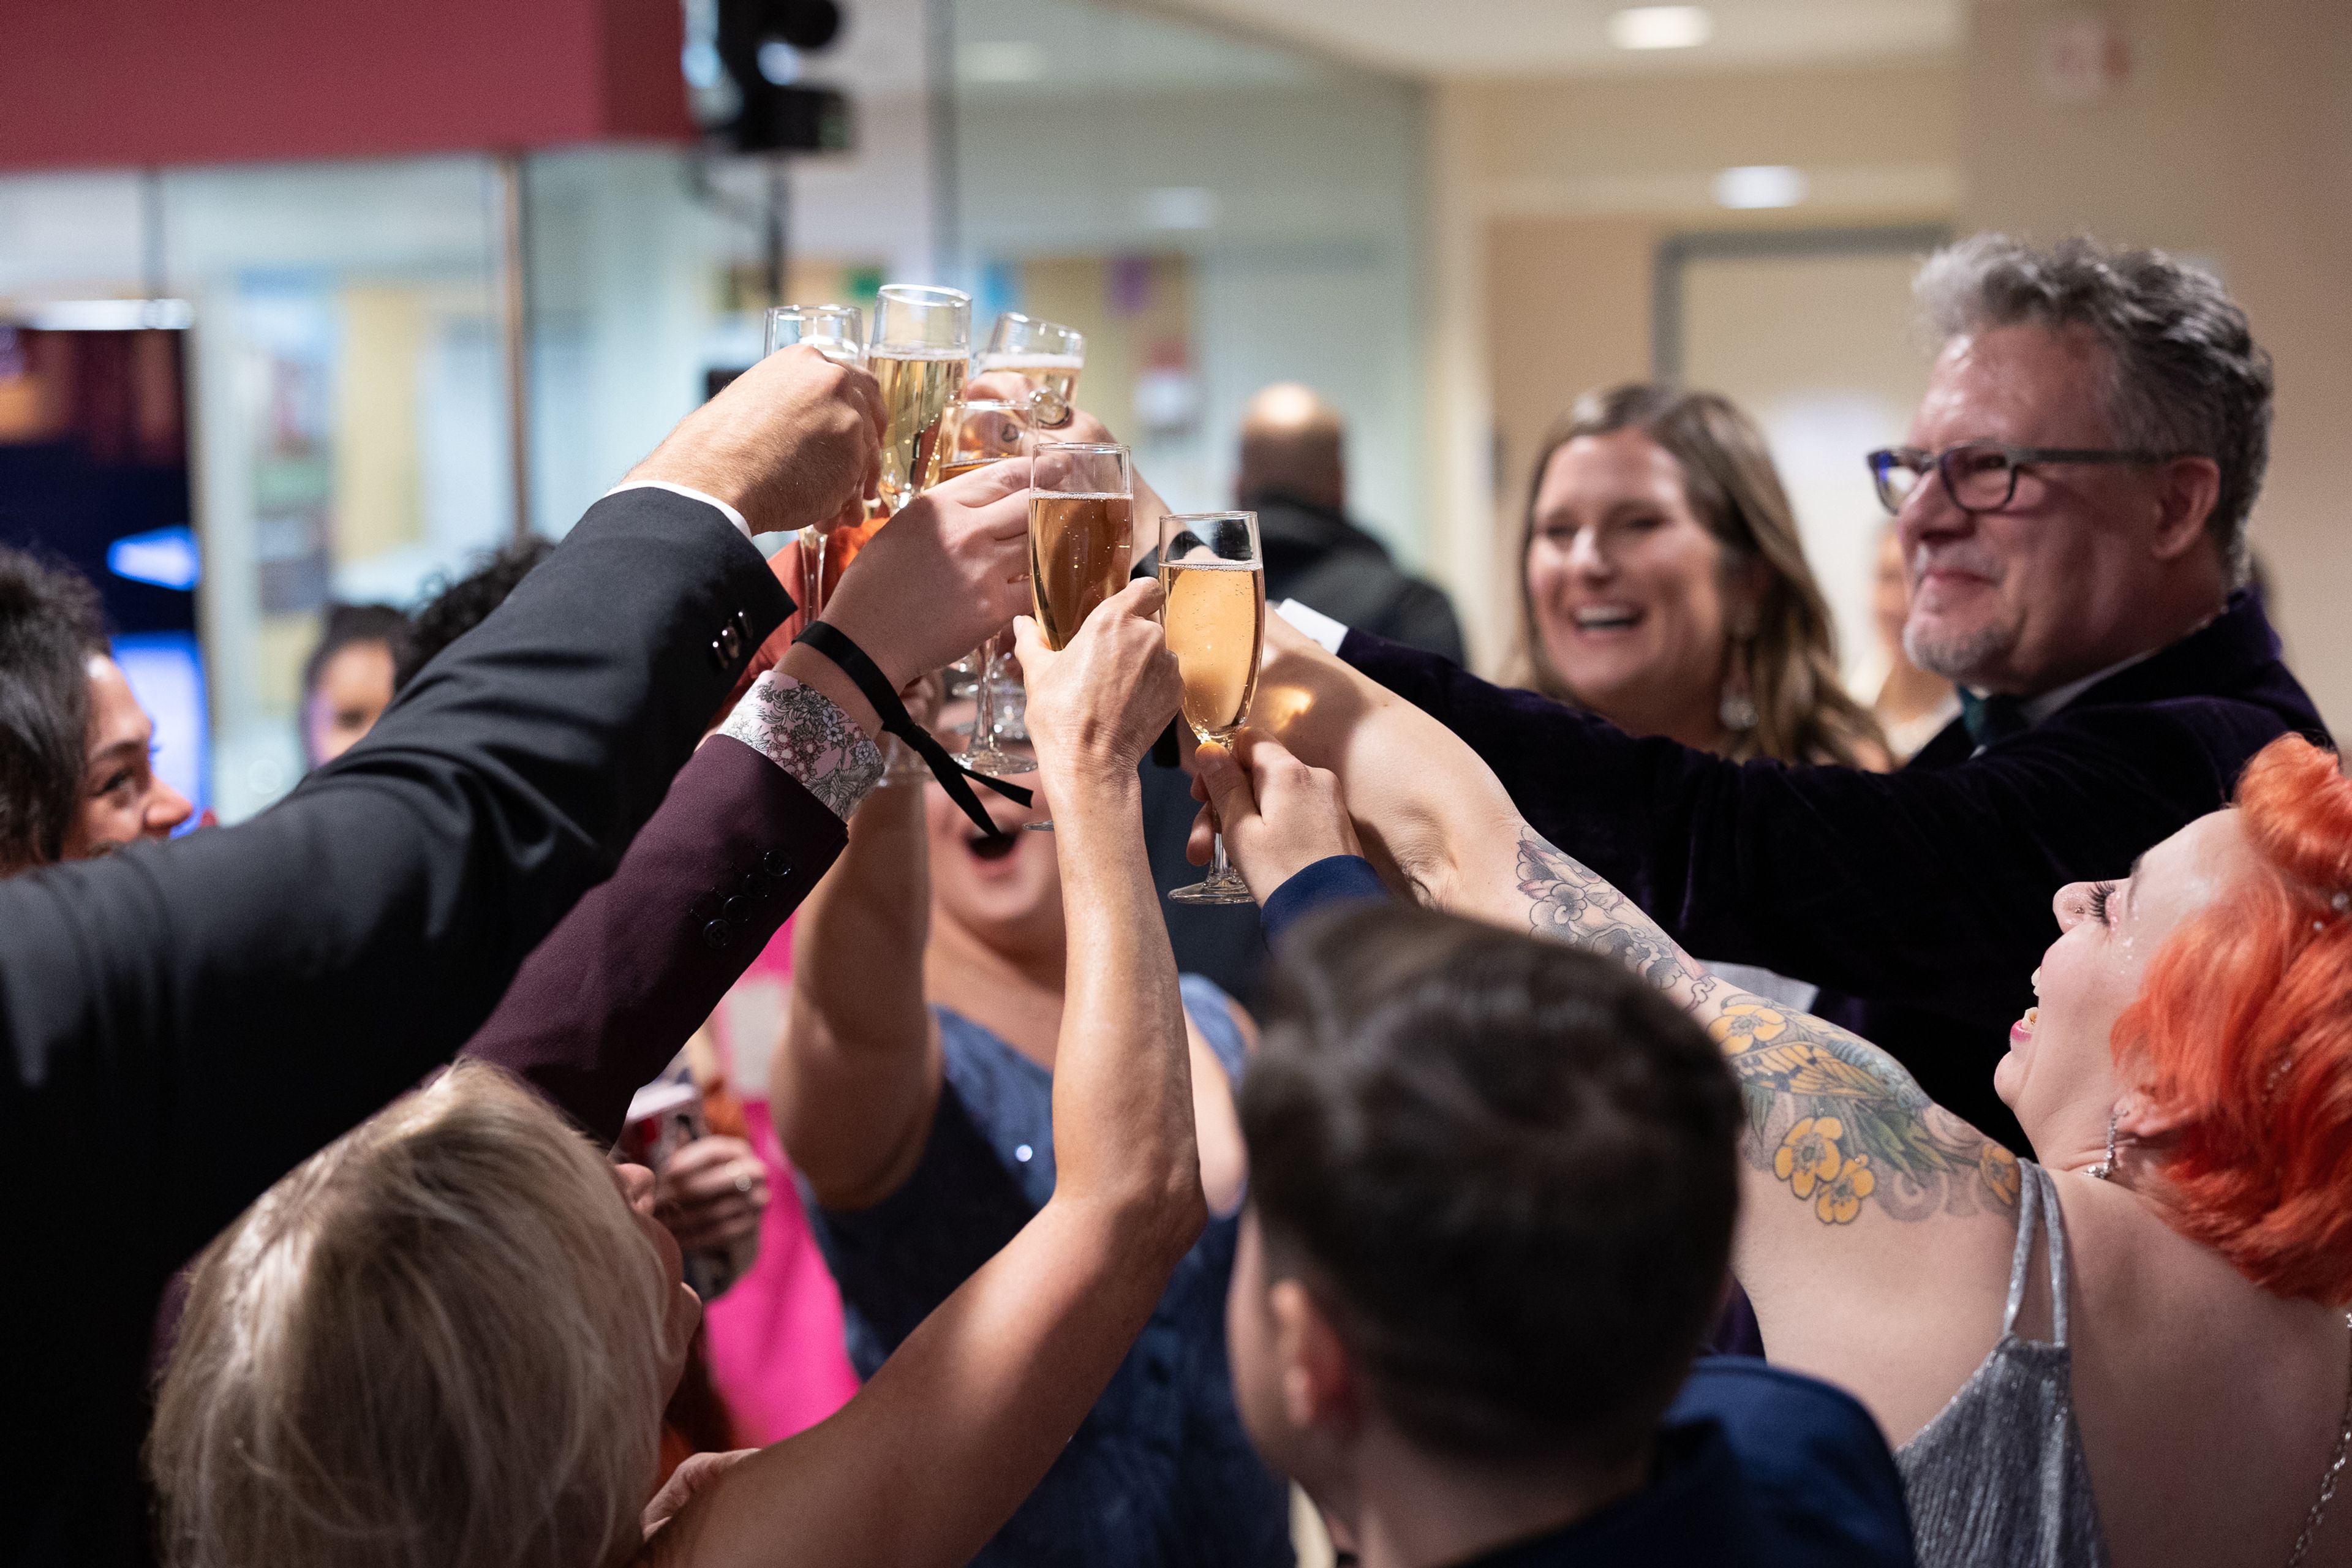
1336	879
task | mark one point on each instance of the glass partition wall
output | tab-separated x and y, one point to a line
1215	213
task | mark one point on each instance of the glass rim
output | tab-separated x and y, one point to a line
989	405
933	294
823	310
1045	446
1219	516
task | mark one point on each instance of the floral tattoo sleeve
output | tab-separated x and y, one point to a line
1839	1122
798	729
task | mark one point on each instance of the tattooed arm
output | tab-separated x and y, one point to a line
1876	1226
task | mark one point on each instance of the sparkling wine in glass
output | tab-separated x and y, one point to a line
1081	515
921	351
1214	581
976	433
1046	355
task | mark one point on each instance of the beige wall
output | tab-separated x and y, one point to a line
1548	202
2230	142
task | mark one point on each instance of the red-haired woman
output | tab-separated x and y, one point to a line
2132	1350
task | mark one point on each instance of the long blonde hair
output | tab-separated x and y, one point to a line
437	1343
1788	668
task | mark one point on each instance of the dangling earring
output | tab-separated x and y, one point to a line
2105	1169
1738	710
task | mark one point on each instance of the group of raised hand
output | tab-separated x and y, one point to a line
795	442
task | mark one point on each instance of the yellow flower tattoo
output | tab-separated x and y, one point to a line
1998	1166
1745	1024
1808	1154
1841	1200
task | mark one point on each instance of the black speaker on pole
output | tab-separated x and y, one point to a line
762	45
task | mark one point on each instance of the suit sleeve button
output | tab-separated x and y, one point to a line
755	885
715	935
737	909
776	863
730	641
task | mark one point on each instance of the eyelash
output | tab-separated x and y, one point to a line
2100	893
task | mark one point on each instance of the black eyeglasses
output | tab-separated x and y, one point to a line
1979	476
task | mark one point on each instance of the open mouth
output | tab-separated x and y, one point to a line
1606	618
989	849
2022	1030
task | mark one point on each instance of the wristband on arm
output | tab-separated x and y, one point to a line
953	776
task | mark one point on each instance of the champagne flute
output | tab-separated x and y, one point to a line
1081	517
920	352
838	332
1214	581
1046	354
974	434
922	349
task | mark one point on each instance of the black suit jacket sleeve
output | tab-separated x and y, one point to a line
1931	886
604	1003
185	1022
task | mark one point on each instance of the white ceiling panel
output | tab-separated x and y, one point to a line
1570	37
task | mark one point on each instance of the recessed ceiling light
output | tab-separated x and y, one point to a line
1760	185
1660	28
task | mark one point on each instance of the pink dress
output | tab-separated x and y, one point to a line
775	1338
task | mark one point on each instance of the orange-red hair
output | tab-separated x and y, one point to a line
2245	1025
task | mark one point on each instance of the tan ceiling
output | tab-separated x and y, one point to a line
1569	38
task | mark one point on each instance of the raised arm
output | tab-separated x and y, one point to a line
933	1455
1812	871
856	1073
1873	1218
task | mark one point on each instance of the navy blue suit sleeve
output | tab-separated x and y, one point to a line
1814	1462
1336	879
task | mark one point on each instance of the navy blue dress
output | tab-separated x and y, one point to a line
1159	1474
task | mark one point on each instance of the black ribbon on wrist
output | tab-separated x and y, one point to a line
953	776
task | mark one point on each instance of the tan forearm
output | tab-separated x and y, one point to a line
852	1072
1122	1077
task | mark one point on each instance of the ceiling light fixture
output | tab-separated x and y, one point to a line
1660	28
1760	185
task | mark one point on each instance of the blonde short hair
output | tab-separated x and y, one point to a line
434	1345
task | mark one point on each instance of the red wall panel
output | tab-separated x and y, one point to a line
114	82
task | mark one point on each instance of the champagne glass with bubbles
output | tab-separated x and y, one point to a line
1081	509
976	433
920	352
1046	355
1214	581
922	349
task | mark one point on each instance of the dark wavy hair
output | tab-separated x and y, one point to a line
456	608
1505	1168
50	625
1789	668
350	624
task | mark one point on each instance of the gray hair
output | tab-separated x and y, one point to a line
2185	374
437	1343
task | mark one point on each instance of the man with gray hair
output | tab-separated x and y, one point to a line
2072	506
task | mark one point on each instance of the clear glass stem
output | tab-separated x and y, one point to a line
983	712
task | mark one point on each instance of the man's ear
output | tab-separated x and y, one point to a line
1321	1388
2185	505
